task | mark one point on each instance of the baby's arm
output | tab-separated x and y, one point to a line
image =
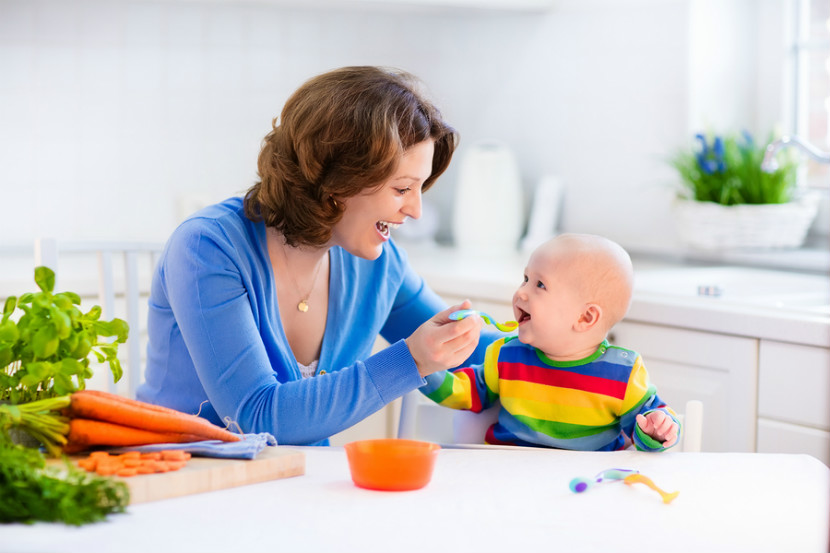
660	426
474	388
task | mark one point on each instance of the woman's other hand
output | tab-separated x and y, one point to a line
441	343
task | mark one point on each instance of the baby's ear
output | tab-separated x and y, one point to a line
589	318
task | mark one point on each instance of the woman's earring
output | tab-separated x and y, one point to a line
334	202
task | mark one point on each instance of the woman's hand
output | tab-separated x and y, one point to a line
441	343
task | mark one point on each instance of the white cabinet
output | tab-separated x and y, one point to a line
720	370
793	401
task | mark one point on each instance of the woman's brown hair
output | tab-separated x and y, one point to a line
340	133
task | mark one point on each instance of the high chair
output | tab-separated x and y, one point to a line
422	419
114	275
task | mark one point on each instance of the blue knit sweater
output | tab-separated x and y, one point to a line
217	346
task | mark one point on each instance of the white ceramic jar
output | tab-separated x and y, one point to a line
488	213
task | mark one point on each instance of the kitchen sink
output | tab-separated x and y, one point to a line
741	285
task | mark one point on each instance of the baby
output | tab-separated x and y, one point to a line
561	384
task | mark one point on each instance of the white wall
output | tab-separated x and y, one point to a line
118	117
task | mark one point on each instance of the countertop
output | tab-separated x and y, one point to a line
483	500
758	303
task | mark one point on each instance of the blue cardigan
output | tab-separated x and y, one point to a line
217	346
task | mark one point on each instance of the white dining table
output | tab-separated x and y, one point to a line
480	500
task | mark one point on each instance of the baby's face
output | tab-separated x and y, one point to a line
547	304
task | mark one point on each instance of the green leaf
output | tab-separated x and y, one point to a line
63	384
30	381
69	344
116	327
40	370
45	341
72	366
8	307
67	299
6	357
62	322
45	278
9	332
115	368
62	302
83	347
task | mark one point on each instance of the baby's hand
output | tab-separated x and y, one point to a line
659	426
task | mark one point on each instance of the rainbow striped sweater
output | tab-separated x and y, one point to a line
589	405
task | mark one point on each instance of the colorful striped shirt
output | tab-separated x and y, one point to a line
589	405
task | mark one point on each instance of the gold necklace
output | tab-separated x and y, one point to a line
303	305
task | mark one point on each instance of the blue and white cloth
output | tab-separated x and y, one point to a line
247	448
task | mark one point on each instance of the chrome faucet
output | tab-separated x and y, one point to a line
769	165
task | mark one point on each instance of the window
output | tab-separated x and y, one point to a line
811	82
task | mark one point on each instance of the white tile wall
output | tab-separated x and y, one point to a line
115	114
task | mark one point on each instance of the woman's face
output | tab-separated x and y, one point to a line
371	215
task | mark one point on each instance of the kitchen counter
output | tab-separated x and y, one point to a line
759	303
481	500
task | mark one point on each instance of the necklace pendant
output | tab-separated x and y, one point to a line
302	306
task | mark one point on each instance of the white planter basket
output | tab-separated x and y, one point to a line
711	226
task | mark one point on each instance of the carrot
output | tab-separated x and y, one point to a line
103	406
85	433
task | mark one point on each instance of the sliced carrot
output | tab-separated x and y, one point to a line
132	463
106	470
174	455
87	464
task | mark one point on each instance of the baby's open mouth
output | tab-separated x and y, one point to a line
384	227
524	316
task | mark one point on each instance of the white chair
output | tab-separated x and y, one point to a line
122	276
422	419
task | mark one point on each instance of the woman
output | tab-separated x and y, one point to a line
264	311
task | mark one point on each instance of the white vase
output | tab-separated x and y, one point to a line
711	226
488	215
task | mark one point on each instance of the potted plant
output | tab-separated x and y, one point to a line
45	351
727	201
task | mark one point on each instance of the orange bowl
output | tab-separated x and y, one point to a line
391	464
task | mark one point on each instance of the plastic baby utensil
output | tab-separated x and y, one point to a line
635	478
504	327
628	476
579	485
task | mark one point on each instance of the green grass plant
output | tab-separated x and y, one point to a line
727	170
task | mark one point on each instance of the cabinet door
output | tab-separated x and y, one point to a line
793	403
781	437
719	370
793	384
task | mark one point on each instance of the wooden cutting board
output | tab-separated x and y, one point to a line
205	474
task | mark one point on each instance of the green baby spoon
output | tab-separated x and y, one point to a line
504	327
